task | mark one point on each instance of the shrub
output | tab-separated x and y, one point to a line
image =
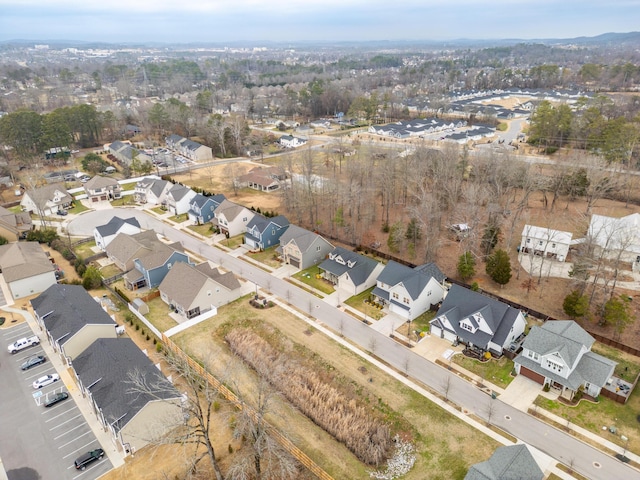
137	326
546	387
147	337
122	295
216	405
230	449
129	317
158	347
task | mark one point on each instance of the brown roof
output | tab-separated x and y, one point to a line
98	182
23	260
16	222
42	195
184	282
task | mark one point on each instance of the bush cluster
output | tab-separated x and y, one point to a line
347	419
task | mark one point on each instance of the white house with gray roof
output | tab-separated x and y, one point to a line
195	290
617	236
232	218
546	242
302	248
350	271
152	190
26	268
192	150
559	354
179	198
480	322
104	234
46	200
409	292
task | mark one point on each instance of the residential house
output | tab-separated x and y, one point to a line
101	188
231	218
509	462
546	242
195	290
72	319
132	130
150	269
179	198
188	148
262	179
559	354
202	208
263	232
125	153
617	236
480	322
14	226
106	371
289	141
46	200
152	190
409	292
26	268
302	248
350	271
104	234
125	248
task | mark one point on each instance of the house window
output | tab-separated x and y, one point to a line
405	300
395	296
208	293
533	355
528	240
318	248
553	245
273	231
540	243
554	366
168	266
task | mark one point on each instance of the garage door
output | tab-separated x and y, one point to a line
295	262
536	377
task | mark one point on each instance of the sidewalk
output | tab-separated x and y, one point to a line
103	437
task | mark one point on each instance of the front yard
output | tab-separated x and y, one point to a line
496	371
268	257
204	230
368	309
310	277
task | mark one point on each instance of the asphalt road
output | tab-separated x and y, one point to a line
589	461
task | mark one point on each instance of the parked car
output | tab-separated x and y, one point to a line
33	361
55	398
62	212
46	380
83	460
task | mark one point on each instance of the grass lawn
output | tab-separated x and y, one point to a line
357	302
123	201
308	277
443	456
268	257
159	210
204	230
183	217
233	242
495	371
628	366
78	208
159	315
15	209
128	186
109	271
84	250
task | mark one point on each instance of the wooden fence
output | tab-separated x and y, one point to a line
233	399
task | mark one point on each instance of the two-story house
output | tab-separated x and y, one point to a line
178	198
195	290
545	242
350	271
152	190
263	232
302	248
289	141
104	234
409	292
480	322
14	226
101	188
26	268
231	218
150	269
46	200
202	208
559	354
188	148
617	236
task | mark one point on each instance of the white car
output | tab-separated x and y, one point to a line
46	380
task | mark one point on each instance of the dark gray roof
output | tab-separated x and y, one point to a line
461	303
302	238
115	224
67	309
178	191
563	336
263	222
158	186
342	260
511	462
414	279
107	364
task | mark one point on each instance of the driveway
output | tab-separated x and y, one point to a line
521	393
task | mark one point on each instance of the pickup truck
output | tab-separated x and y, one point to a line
23	343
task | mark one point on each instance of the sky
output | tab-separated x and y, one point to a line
220	21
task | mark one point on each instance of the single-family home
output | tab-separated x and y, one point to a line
46	200
263	179
26	268
509	462
14	226
150	269
193	290
72	319
132	130
350	271
125	153
559	354
302	248
482	323
109	373
546	242
124	248
178	198
101	188
617	236
409	292
231	218
104	234
188	148
289	141
152	190
202	208
264	232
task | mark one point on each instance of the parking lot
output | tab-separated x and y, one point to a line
38	442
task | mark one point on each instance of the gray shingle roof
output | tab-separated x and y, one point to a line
115	224
42	195
107	364
70	308
511	462
23	260
413	279
127	247
358	266
100	182
178	191
302	238
184	282
229	209
564	336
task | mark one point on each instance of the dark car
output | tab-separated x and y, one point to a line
62	212
33	361
83	460
55	398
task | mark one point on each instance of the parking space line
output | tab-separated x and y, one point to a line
68	443
90	468
66	421
42	374
82	447
33	353
59	415
69	431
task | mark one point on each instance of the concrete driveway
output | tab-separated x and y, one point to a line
521	393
